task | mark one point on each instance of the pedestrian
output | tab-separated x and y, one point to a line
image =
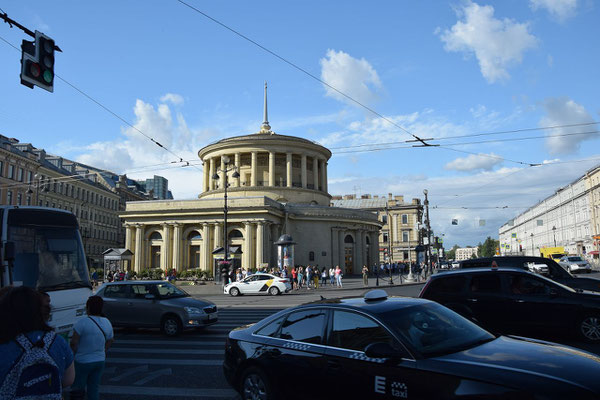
332	275
127	276
338	276
31	350
309	277
300	276
324	277
316	277
94	278
294	278
92	336
365	274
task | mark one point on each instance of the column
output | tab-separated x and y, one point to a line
253	169
260	243
165	251
323	181
288	169
304	171
335	247
218	235
222	175
358	250
342	258
129	234
211	182
236	181
325	189
247	246
316	173
206	247
139	237
177	247
271	168
206	175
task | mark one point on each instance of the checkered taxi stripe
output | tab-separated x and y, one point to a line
362	357
296	346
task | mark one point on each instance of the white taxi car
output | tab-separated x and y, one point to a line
259	283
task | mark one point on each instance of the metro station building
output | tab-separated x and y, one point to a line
281	189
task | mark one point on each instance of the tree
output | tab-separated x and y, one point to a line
451	254
488	248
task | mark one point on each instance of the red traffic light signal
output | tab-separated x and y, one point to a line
37	62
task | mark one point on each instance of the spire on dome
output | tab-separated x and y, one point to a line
265	127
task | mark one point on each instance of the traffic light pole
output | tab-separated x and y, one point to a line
12	22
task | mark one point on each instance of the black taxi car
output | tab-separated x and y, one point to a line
397	348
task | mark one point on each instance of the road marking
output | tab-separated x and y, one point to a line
162	361
155	374
153	392
147	350
169	342
141	368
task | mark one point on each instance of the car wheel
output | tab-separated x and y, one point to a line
274	291
171	325
255	385
589	328
234	291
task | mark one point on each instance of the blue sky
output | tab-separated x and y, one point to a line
435	69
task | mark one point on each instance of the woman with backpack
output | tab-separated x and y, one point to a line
92	336
35	361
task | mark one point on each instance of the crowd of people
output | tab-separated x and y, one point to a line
309	277
36	362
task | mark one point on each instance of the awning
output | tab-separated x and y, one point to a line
593	253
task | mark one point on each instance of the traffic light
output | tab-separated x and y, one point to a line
37	62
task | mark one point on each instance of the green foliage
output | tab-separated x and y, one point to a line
451	254
488	248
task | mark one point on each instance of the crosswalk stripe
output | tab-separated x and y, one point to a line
168	391
162	361
147	350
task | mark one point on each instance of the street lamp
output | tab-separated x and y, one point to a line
226	160
39	184
554	232
427	223
532	244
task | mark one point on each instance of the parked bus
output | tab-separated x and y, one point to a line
42	249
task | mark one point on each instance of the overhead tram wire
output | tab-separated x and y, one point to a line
107	109
415	137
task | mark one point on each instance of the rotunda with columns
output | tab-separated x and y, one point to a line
276	184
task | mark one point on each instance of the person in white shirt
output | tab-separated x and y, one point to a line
92	336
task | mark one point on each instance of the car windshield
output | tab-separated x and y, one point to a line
575	259
433	330
168	291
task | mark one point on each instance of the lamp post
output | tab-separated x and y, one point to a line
554	232
38	185
532	244
225	170
427	223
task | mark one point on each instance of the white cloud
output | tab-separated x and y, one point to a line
564	111
473	162
138	156
172	98
497	44
559	9
352	76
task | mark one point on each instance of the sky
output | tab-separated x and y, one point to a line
507	89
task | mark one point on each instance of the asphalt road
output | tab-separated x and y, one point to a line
145	364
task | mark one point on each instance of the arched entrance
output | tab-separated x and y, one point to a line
194	240
155	241
348	254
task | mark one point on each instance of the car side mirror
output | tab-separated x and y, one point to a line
382	350
149	296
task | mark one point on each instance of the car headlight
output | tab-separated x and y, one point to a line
574	265
192	310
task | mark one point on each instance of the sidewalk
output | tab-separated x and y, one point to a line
350	282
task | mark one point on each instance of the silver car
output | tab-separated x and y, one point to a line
155	304
575	264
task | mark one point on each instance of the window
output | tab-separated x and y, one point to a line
304	326
354	331
20	174
405	236
311	256
385	237
117	291
485	284
140	291
453	284
1	168
384	219
19	199
405	218
29	176
271	329
528	286
9	197
11	171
